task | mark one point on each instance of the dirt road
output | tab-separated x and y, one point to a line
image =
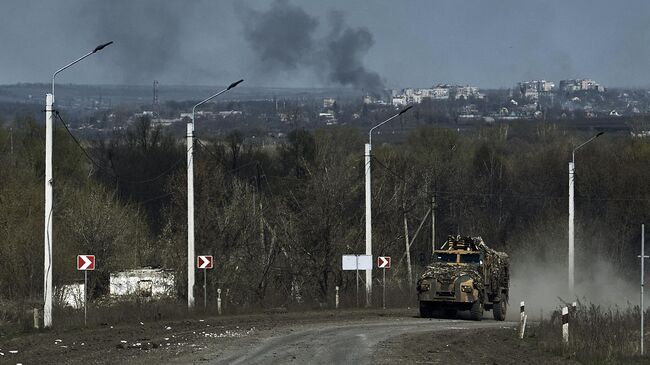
351	343
318	337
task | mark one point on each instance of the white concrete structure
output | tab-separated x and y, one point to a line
148	283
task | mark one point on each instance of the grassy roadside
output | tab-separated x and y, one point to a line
596	335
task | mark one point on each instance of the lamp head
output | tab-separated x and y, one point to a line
102	46
234	84
405	110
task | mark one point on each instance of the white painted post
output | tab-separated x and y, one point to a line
368	223
523	327
219	301
47	288
522	315
571	227
565	325
190	213
36	324
336	301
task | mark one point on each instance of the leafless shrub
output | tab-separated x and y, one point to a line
597	335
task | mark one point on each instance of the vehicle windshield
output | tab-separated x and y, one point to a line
472	258
445	257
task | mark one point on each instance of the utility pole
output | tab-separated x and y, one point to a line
190	197
47	289
368	223
572	170
643	257
433	223
571	228
49	132
367	155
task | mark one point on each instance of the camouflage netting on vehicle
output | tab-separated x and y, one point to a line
496	264
450	273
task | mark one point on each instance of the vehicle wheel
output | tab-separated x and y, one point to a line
450	313
499	311
476	312
426	310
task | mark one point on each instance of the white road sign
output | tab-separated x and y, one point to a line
357	262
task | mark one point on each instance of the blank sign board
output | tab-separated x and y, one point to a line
350	262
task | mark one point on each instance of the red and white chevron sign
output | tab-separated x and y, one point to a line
204	262
383	262
85	262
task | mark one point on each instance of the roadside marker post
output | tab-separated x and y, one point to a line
205	262
356	263
565	325
85	263
219	301
336	301
522	317
383	262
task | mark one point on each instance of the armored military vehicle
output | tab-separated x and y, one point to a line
465	275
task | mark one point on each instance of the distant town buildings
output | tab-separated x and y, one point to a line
532	89
438	92
328	103
580	85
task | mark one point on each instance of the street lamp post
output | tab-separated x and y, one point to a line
572	170
190	197
368	151
48	238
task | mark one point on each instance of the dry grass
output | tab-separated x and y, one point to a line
596	335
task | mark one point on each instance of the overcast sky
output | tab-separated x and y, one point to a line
364	44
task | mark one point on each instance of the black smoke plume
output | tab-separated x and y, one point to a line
283	39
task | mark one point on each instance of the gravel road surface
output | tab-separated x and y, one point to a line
352	343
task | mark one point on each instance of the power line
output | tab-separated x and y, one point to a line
514	196
108	170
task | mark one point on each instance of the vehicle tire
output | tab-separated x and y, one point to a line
499	310
476	312
450	313
426	310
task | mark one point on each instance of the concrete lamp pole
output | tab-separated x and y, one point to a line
190	197
368	151
572	170
48	238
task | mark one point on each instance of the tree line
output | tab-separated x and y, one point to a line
278	218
